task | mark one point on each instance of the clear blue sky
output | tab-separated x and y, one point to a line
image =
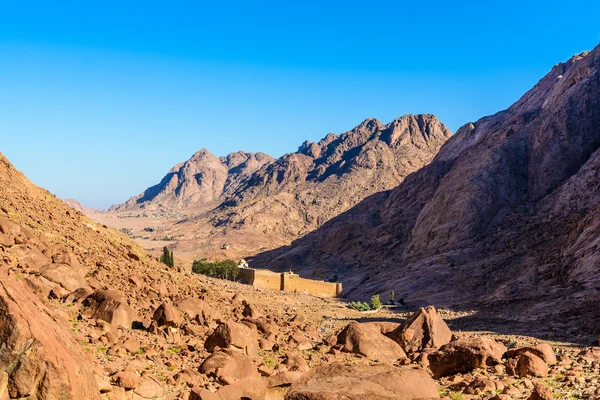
99	99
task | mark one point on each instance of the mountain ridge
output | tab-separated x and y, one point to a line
497	216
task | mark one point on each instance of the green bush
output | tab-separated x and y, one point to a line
227	269
358	306
392	298
375	302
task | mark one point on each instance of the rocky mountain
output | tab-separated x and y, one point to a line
249	202
81	208
200	182
300	191
507	213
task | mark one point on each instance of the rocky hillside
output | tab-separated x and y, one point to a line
300	191
197	184
506	213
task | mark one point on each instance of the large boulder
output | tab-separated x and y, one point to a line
196	308
149	388
253	388
167	315
229	366
363	382
542	350
110	306
63	275
366	339
424	329
465	355
530	364
236	335
39	358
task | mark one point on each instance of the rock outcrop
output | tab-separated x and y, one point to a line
337	382
40	361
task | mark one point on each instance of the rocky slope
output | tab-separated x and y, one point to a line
197	184
506	213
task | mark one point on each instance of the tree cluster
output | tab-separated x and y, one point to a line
227	269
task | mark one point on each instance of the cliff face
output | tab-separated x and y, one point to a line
507	210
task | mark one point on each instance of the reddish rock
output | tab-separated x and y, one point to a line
357	382
229	366
424	329
367	340
465	355
529	364
542	350
541	392
126	380
196	308
234	334
110	306
167	315
253	388
64	275
45	362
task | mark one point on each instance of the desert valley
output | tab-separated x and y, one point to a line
392	261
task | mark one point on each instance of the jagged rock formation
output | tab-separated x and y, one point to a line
301	191
507	212
200	182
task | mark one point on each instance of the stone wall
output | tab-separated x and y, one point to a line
293	283
288	281
261	278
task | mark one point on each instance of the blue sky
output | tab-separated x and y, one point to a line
99	99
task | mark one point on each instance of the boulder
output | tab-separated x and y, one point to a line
361	382
541	392
367	340
126	379
424	329
542	350
234	334
63	275
229	366
196	308
109	306
149	388
39	357
531	365
253	388
464	355
167	315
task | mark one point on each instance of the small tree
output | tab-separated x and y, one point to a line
167	257
375	302
392	298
